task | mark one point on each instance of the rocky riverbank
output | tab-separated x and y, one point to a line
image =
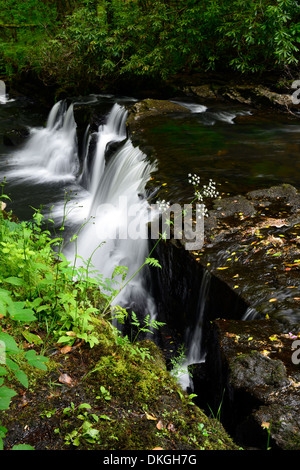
251	253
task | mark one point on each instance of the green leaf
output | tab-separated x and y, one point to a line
22	377
153	262
15	281
36	361
22	447
32	338
3	371
10	344
11	364
19	313
6	395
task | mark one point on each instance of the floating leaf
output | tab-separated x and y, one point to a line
273	300
66	349
223	267
273	338
159	425
150	417
65	379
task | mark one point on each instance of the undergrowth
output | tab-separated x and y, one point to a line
47	300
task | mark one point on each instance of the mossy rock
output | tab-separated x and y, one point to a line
115	396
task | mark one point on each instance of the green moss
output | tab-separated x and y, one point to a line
144	408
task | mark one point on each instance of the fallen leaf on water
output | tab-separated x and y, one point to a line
171	427
160	425
66	349
265	352
273	338
150	417
224	267
273	300
65	379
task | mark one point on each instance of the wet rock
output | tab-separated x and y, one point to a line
15	137
257	96
151	107
249	371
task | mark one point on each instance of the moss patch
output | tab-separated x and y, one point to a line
115	396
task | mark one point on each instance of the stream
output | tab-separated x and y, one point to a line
105	175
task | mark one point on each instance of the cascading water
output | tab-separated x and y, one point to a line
51	152
116	234
3	95
111	209
195	353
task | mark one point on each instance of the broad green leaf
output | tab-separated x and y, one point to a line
22	447
10	344
19	313
3	371
32	338
11	364
15	281
6	395
22	377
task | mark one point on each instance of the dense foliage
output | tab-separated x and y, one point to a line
76	42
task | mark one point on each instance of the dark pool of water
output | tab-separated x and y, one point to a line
239	153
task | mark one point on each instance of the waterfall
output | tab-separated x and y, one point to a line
195	352
3	95
50	154
116	211
113	131
111	207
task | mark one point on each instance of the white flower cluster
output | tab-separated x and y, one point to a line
163	206
210	190
194	179
207	191
202	211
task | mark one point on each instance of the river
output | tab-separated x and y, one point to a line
239	148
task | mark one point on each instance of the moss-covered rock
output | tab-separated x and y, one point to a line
115	396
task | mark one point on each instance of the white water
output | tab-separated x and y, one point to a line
211	116
193	107
113	189
116	188
3	95
195	354
50	154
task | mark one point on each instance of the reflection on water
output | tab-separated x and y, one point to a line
238	150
